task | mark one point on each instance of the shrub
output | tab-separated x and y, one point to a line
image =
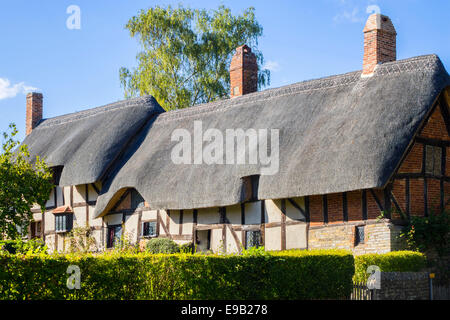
401	261
428	233
188	248
162	245
81	240
23	246
290	275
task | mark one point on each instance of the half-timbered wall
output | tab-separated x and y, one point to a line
347	220
280	223
422	183
81	199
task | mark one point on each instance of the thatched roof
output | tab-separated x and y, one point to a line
337	134
87	142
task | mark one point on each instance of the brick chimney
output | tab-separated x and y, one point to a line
34	111
243	72
379	42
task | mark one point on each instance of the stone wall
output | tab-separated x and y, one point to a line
403	286
379	237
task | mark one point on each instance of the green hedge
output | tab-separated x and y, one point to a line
288	275
23	246
162	245
401	261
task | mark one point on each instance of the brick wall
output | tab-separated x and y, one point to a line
34	111
335	208
316	210
373	210
243	72
424	192
435	127
379	42
413	161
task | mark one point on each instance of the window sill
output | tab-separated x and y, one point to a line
149	237
62	231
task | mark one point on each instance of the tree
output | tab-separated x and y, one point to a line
22	184
186	54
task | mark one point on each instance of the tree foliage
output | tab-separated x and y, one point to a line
186	54
22	184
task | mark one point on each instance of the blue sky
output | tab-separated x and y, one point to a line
79	69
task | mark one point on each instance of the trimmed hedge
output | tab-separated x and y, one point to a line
317	274
401	261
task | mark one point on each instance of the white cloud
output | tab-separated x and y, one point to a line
350	16
10	91
273	66
373	9
353	12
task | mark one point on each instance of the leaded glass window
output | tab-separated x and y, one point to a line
63	222
359	236
149	229
433	156
252	239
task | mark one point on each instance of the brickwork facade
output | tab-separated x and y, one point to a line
420	190
34	111
243	72
412	192
379	42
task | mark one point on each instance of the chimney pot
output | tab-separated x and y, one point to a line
243	72
379	42
34	111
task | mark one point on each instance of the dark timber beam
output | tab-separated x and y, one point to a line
283	224
444	111
364	204
433	142
296	206
344	206
95	188
380	206
325	208
263	222
408	198
307	214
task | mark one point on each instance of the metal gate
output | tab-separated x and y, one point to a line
361	292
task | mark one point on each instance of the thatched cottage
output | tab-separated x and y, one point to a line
352	148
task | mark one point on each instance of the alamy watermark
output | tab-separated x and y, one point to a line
374	280
234	146
74	280
73	22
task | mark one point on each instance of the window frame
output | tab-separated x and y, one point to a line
435	153
110	242
358	239
155	234
36	229
67	222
